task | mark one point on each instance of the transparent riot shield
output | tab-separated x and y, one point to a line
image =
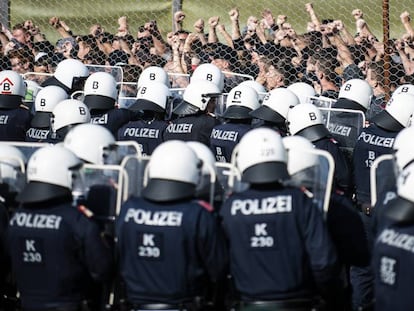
344	125
127	148
116	71
27	148
127	94
316	179
103	190
38	77
229	179
383	177
179	80
221	104
242	77
134	167
321	101
176	99
12	173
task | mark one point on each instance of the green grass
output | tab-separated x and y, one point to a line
80	14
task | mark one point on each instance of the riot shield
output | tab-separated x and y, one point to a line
316	179
127	148
116	71
221	104
176	99
321	101
27	148
134	167
344	125
38	77
103	190
12	174
242	77
383	177
229	179
127	94
179	80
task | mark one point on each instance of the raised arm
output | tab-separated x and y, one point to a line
212	34
314	18
235	23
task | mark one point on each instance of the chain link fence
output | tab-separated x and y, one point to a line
288	37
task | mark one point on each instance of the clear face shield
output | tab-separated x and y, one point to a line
77	178
213	101
111	155
206	186
13	176
220	105
315	179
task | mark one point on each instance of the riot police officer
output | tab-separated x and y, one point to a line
14	116
67	114
147	129
57	253
12	168
195	113
308	168
392	254
306	120
46	100
101	94
241	100
70	75
272	251
170	246
378	139
354	99
274	109
373	141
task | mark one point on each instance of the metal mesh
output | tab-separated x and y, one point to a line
269	42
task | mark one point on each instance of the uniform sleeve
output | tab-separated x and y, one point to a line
348	233
97	253
343	175
212	246
319	245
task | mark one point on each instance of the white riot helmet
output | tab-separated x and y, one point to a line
260	89
90	142
196	97
403	149
32	89
12	89
209	72
241	100
404	88
46	101
206	184
306	120
152	96
70	74
172	177
354	94
12	167
401	209
68	113
205	155
397	113
154	74
261	157
100	91
299	161
303	91
50	174
276	105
